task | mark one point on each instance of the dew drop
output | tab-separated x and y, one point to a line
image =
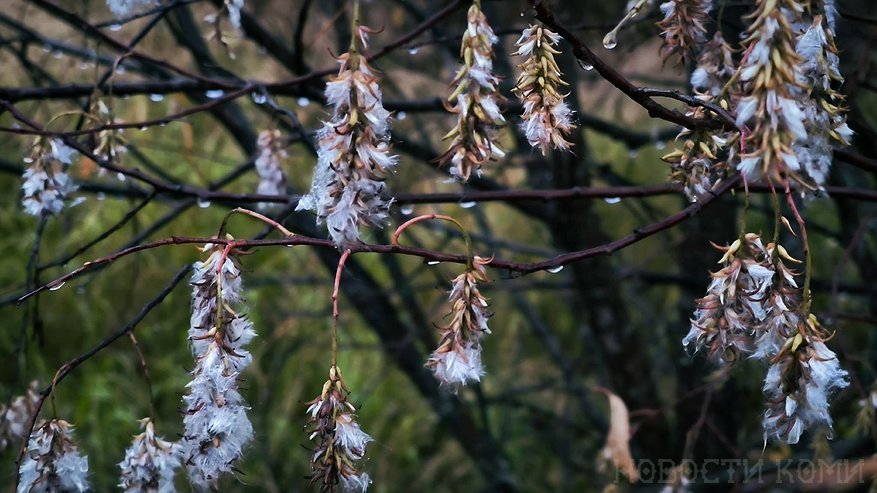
432	262
585	65
155	98
467	205
121	69
259	98
612	200
660	144
143	128
610	41
214	93
101	196
203	203
54	286
115	27
412	50
407	210
120	177
554	270
28	160
304	102
401	115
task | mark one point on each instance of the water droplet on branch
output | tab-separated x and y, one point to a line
468	205
585	65
407	210
554	270
610	41
54	286
612	200
214	93
155	98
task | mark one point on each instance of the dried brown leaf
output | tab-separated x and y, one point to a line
618	438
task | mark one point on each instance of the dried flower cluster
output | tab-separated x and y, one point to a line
771	89
715	67
457	360
340	443
684	27
111	143
824	116
789	105
727	318
475	100
52	462
46	184
702	159
354	157
269	165
546	119
781	307
150	463
754	306
15	417
799	382
792	341
216	425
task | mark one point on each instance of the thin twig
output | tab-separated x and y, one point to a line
69	366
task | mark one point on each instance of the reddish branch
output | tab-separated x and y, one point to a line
519	268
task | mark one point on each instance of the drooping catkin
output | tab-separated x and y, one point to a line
546	119
475	100
457	360
217	428
354	159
